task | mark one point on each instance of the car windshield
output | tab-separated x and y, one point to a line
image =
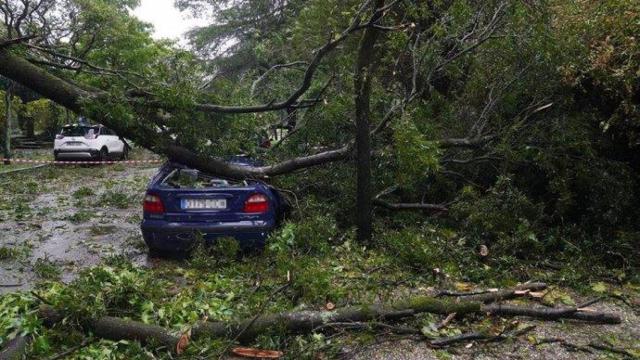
194	179
78	130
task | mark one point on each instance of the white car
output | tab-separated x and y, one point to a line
88	142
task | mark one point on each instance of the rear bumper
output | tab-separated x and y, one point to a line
76	154
174	236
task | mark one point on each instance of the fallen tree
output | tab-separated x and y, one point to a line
15	348
116	329
301	322
308	321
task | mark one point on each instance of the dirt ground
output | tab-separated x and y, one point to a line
59	220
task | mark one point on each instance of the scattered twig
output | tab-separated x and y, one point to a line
463	293
72	350
39	297
402	330
263	306
480	336
613	349
10	285
446	321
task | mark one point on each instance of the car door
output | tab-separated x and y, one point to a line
113	142
118	143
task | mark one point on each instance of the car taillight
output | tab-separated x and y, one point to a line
153	204
256	203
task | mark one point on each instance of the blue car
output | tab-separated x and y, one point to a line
183	205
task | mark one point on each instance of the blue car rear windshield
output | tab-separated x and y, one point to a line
194	179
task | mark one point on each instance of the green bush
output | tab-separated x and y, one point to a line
425	248
311	235
504	219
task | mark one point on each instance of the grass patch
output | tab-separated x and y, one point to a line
115	199
99	230
83	192
46	269
7	253
81	216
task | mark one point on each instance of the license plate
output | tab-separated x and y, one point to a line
74	143
195	204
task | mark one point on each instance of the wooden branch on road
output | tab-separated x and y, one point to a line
410	206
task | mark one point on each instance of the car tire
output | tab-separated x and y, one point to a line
125	154
166	254
103	155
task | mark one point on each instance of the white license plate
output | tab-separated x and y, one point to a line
195	204
74	143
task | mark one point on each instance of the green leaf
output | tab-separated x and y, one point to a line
599	287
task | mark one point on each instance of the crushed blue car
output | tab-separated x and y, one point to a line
183	206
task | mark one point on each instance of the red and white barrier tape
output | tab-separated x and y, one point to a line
52	162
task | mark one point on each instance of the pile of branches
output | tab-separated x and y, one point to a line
369	316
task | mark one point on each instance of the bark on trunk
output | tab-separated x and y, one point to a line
362	86
307	321
117	329
15	349
553	314
7	124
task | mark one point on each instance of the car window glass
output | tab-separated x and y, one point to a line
74	131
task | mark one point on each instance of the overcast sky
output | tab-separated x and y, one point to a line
166	19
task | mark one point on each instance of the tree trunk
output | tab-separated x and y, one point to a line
29	127
117	329
362	87
8	100
319	321
308	321
15	349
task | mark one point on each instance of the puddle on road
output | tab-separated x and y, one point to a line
68	232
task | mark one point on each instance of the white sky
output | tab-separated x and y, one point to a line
167	21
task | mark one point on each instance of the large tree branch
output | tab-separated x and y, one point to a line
471	143
15	41
72	97
219	167
39	80
410	206
309	74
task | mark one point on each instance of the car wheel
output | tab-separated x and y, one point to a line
125	154
104	154
166	254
